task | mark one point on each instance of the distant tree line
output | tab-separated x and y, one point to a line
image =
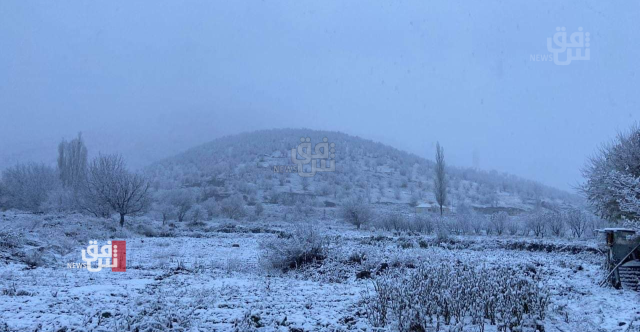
101	187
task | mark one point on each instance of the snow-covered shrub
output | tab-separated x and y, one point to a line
514	226
233	207
60	200
393	222
537	223
451	295
498	222
212	207
423	223
197	214
33	258
302	210
259	209
356	211
478	223
306	245
556	225
443	226
27	186
180	199
10	240
249	322
577	221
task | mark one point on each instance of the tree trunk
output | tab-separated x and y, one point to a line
441	210
121	220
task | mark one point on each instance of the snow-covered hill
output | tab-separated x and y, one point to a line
258	165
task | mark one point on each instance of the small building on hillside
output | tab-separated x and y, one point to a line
431	207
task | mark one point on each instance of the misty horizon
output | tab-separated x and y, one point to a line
406	76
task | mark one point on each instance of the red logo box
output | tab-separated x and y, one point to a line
119	254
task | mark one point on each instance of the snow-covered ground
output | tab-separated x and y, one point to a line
213	277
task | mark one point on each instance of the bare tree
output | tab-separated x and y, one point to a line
440	181
556	224
577	222
537	223
72	162
181	200
498	222
110	184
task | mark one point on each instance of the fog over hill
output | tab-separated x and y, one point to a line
248	163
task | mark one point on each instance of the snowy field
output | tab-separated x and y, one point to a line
214	277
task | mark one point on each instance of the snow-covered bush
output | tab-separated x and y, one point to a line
514	226
577	221
60	200
556	224
212	207
452	295
27	186
306	245
393	222
197	214
498	222
536	222
259	209
178	200
233	207
423	223
302	210
10	239
356	211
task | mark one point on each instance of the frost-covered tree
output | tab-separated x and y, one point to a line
440	180
627	188
537	222
556	224
27	186
577	221
110	184
197	214
498	222
233	207
356	211
182	200
72	162
613	177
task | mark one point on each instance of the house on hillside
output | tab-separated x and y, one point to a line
431	207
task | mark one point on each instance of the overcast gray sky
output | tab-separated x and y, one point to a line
152	78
